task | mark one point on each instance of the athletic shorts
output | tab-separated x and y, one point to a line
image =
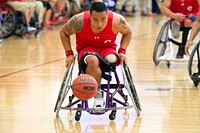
103	52
192	17
22	6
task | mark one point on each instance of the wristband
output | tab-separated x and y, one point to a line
122	50
68	53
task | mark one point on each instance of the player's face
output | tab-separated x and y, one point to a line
98	21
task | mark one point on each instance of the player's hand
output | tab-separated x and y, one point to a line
179	16
69	60
123	58
187	46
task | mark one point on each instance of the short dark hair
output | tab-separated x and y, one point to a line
98	7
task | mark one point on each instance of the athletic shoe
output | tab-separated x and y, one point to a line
144	14
54	22
99	100
58	20
175	27
48	26
30	29
62	19
180	53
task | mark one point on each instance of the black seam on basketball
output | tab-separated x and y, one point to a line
84	83
85	92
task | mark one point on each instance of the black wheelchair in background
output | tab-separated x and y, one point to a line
118	87
12	22
194	64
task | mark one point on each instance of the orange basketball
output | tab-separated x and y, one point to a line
84	87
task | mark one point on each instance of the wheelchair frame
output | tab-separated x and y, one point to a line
7	15
111	101
194	64
164	41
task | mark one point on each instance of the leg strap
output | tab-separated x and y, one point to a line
104	65
185	35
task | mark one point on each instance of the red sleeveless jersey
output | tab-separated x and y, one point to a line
86	37
185	6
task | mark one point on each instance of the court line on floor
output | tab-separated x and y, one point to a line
26	69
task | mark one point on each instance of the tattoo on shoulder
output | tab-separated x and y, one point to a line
74	25
122	23
198	19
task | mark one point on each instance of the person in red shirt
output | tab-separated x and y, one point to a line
96	32
182	13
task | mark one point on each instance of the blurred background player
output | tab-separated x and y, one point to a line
182	13
27	8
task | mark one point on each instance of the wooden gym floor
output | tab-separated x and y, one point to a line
31	72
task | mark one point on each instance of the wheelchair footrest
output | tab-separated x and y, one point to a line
97	110
169	57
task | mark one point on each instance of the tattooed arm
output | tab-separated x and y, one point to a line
122	26
72	26
194	32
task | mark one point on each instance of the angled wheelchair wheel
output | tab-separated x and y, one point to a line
194	64
64	89
129	85
161	41
8	21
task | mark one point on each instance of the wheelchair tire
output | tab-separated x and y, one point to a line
194	64
129	85
132	87
64	89
8	21
161	42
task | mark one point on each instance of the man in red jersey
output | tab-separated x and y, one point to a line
96	32
183	14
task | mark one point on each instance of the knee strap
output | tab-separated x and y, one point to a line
105	65
82	63
185	35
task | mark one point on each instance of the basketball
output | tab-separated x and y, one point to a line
84	87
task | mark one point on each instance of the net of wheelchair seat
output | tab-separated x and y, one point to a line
113	88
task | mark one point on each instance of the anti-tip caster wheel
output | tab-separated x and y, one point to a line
112	115
78	115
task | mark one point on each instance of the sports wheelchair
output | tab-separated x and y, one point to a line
194	64
164	50
12	22
116	98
